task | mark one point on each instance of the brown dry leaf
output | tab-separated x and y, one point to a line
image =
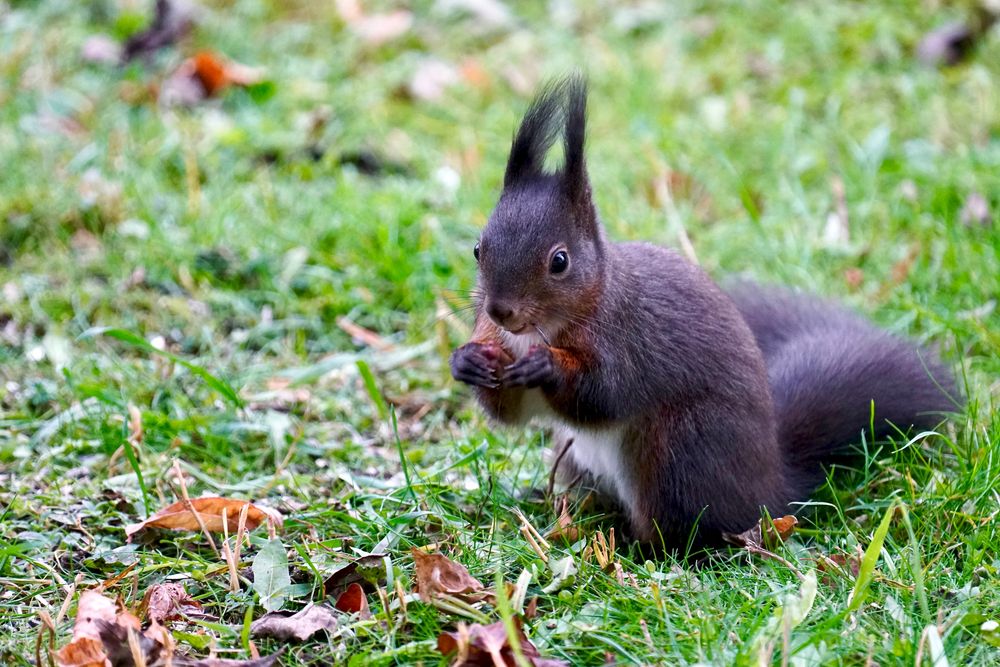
474	74
487	646
264	661
354	601
169	602
761	538
93	607
215	72
367	571
83	652
94	616
565	527
178	517
854	277
205	75
531	610
299	626
437	575
840	565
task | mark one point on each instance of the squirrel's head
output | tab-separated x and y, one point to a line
541	253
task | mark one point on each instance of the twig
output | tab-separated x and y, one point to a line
770	554
47	624
69	598
366	336
190	508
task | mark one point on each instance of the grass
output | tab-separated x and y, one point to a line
233	235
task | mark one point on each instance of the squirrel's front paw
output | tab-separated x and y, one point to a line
478	364
532	370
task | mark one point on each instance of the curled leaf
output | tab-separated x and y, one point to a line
489	646
354	601
436	574
764	536
299	626
367	571
179	516
168	602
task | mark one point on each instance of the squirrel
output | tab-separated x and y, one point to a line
693	408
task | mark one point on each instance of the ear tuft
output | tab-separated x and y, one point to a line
575	170
561	102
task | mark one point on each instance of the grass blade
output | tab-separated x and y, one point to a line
867	569
135	340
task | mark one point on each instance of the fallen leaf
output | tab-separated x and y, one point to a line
474	74
265	661
205	75
172	20
378	29
115	638
299	626
168	602
366	336
564	526
431	79
531	610
488	646
854	277
95	615
82	652
367	571
563	574
776	531
975	211
209	509
354	601
846	566
784	526
437	575
101	50
91	608
271	578
105	634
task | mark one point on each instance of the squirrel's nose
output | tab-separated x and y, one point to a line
499	311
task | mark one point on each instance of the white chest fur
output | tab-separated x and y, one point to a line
598	450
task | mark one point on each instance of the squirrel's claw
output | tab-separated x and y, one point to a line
470	365
532	370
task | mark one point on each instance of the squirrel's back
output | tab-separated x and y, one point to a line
828	368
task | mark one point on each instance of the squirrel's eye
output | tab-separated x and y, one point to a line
475	252
560	262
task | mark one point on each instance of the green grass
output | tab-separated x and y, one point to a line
215	233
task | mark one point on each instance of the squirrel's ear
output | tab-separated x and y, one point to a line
575	170
535	136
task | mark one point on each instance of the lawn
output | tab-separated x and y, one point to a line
261	290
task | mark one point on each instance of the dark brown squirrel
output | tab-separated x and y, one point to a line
693	408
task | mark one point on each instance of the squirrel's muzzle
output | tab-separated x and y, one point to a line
503	314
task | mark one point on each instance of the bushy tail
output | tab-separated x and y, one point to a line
827	367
